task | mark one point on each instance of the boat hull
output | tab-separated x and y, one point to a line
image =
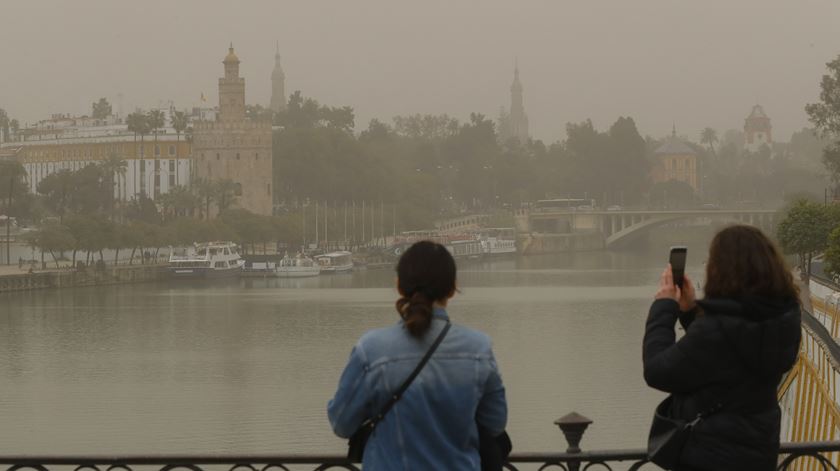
204	273
337	269
297	272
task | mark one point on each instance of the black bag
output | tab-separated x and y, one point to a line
668	435
358	441
493	451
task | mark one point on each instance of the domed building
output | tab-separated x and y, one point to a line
675	160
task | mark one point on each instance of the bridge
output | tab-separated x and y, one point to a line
619	227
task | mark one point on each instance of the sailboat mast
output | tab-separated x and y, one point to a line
317	238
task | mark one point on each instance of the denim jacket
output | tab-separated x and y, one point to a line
433	425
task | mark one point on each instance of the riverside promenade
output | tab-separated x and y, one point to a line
15	278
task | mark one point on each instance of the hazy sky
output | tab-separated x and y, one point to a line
693	63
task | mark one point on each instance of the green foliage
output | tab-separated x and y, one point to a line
672	194
826	117
804	230
101	109
86	191
15	200
53	238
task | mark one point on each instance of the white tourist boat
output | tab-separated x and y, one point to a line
497	242
335	262
300	266
206	260
465	249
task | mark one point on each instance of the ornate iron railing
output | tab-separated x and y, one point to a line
632	460
572	425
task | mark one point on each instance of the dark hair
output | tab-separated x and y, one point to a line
745	262
425	274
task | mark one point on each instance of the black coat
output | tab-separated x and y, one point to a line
734	353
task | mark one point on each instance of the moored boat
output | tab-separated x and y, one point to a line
299	266
335	262
206	260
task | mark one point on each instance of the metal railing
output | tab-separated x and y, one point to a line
800	455
632	460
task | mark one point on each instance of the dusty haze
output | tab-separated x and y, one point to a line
695	64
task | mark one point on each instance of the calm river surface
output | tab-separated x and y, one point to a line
247	367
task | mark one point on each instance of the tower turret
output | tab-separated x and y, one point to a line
278	84
231	90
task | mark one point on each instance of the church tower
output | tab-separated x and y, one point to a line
231	90
515	123
757	130
278	84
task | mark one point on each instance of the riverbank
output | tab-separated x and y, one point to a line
14	279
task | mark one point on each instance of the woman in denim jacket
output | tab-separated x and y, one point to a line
434	424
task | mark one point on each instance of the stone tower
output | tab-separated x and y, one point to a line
757	130
515	122
278	84
234	147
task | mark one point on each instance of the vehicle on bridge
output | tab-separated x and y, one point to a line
564	204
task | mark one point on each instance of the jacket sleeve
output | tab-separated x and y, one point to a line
666	365
349	407
492	407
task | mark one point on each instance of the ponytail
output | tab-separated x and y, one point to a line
425	275
416	312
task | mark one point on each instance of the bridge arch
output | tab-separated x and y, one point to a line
763	219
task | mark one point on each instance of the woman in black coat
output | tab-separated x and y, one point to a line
739	341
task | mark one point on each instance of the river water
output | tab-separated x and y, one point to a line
248	366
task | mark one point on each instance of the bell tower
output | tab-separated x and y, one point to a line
231	90
278	84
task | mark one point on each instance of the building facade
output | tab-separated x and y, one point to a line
514	124
675	160
757	130
233	147
278	85
153	164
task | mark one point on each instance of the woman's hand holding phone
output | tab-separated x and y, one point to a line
686	295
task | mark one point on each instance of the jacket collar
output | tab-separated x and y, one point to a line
440	313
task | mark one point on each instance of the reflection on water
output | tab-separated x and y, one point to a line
248	366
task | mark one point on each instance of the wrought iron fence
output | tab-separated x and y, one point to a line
631	460
817	456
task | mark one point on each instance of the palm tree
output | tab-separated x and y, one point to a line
709	137
140	125
114	166
156	121
179	124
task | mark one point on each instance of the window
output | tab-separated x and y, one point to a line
171	150
269	189
157	149
238	189
256	156
142	151
218	156
221	264
237	156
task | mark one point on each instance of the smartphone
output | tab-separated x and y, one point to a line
677	261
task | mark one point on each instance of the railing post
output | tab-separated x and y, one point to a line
573	425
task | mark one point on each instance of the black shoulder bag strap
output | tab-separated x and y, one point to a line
398	394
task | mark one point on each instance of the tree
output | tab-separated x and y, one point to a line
826	117
14	124
226	191
114	168
54	238
4	125
804	231
12	188
101	109
179	124
708	136
156	120
206	192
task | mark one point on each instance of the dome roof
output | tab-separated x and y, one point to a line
674	146
231	56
